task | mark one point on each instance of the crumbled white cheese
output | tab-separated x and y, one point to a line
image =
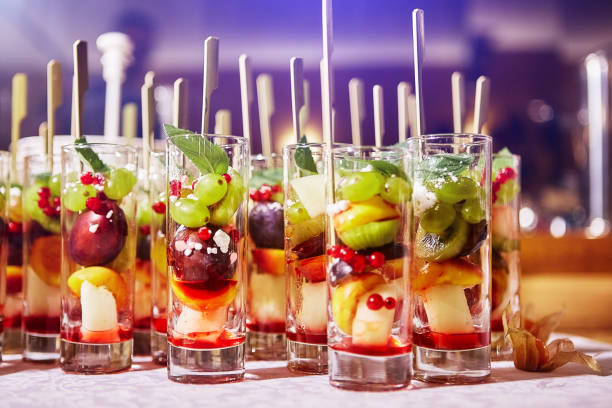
188	252
198	246
210	250
337	207
422	199
222	240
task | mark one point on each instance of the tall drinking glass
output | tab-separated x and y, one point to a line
452	258
305	183
367	269
206	238
99	194
505	230
42	249
4	191
159	267
266	281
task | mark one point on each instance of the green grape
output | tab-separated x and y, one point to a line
508	191
472	211
297	213
451	190
144	212
223	212
76	195
396	190
210	188
119	183
361	185
278	197
2	201
54	185
438	218
189	212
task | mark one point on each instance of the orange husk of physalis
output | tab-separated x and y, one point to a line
529	349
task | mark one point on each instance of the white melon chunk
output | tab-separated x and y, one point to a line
447	309
98	308
41	299
373	327
195	321
311	192
267	297
313	313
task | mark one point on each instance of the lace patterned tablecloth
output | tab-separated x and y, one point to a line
270	384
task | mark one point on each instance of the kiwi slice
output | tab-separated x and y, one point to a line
371	235
476	237
439	247
305	230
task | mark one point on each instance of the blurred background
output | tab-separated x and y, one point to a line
547	60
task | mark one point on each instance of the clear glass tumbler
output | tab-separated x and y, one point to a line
505	231
99	196
452	258
206	238
42	249
368	260
4	191
159	267
305	184
266	281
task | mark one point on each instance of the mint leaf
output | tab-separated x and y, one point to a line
272	176
387	169
206	156
303	157
90	157
502	159
443	164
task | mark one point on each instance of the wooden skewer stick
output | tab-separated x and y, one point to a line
296	67
43	133
412	114
305	111
223	122
129	117
379	116
211	77
418	41
54	100
265	103
458	97
81	83
481	103
179	104
246	94
403	114
148	121
357	108
19	110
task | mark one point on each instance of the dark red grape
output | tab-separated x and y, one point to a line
266	225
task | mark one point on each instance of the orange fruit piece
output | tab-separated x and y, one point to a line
100	276
197	295
270	261
46	259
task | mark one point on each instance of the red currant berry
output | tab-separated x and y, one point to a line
234	235
509	172
44	192
175	188
358	263
390	303
227	178
98	180
145	229
204	233
57	211
375	302
194	184
255	195
43	203
159	207
265	195
346	254
56	201
376	259
94	204
49	211
87	178
14	227
276	189
334	251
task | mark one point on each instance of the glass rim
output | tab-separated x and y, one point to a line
344	151
478	139
72	147
235	140
293	146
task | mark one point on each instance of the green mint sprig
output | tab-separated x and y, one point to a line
443	165
303	157
206	156
272	176
89	156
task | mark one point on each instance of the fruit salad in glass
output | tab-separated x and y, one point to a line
505	230
266	278
99	185
305	186
4	188
207	200
451	264
159	269
367	265
42	244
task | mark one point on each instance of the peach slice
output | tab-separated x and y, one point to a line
312	269
447	309
312	313
363	212
45	259
270	261
197	296
346	297
101	277
455	272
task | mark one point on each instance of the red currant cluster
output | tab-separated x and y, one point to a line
159	207
376	301
357	261
175	188
14	227
264	193
88	178
145	229
97	204
502	176
49	206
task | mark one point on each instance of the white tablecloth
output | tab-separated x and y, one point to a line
270	384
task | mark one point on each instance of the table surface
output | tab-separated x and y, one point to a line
270	384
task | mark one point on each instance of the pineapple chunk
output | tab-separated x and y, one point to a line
98	308
42	299
267	297
447	309
311	192
313	313
373	327
195	321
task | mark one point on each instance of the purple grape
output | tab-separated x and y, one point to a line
339	271
266	225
